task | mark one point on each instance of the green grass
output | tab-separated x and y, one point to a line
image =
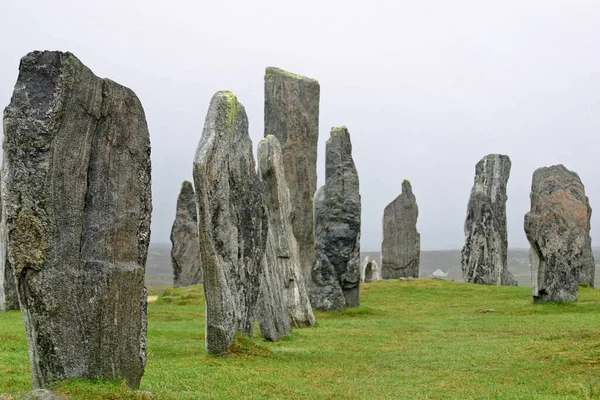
425	338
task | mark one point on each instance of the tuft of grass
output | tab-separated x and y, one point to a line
245	346
99	390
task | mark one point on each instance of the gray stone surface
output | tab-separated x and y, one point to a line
558	230
484	255
78	202
401	243
370	271
292	115
185	250
336	268
42	394
9	299
283	300
232	222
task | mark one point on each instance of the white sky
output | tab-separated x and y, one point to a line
426	88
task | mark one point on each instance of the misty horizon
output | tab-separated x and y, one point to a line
425	89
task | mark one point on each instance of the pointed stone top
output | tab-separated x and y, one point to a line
186	186
406	187
272	71
341	136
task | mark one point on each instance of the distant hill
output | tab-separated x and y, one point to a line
160	273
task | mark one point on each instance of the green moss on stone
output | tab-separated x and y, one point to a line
271	70
232	108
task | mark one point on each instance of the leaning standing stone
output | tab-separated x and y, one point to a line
485	251
558	229
292	115
8	288
283	299
401	243
371	272
185	253
336	268
78	204
232	223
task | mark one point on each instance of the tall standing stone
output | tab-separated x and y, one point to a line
370	271
283	300
9	299
232	223
185	250
336	268
558	230
484	254
292	115
401	243
78	204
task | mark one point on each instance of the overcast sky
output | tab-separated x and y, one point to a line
426	88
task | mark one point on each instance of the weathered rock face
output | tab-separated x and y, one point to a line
558	230
185	253
78	204
401	243
336	268
371	272
232	222
485	251
283	300
292	115
9	299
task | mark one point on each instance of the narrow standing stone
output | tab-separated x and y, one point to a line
336	268
9	299
232	223
185	253
292	115
485	251
558	230
283	300
401	243
78	204
371	272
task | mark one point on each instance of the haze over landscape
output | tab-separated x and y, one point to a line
426	89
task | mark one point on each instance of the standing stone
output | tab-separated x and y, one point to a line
9	299
371	272
485	251
283	300
401	243
232	223
292	115
336	268
78	204
558	230
185	253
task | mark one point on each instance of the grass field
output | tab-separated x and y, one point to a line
409	339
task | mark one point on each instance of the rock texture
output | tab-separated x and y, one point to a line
78	204
283	300
185	250
9	299
484	255
336	268
292	115
401	243
371	272
558	230
232	222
